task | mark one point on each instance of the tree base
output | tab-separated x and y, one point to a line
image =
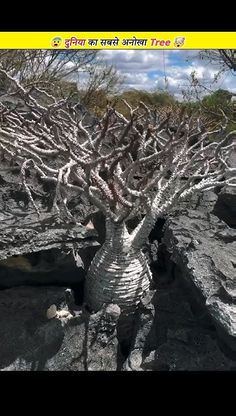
118	278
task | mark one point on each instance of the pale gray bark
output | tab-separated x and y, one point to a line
118	273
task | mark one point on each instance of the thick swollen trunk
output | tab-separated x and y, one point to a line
118	273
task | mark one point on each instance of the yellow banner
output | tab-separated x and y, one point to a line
117	40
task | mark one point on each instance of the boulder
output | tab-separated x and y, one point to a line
204	249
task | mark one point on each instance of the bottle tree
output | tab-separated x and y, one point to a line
124	166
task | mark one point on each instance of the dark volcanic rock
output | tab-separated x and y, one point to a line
171	335
39	331
201	201
29	234
188	350
34	251
144	334
225	207
39	250
21	230
204	248
48	267
14	201
103	347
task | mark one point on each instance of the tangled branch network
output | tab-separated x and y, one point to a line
145	162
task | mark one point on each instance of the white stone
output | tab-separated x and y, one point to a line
51	312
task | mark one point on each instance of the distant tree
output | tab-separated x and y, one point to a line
101	81
81	73
41	66
213	104
162	98
224	59
219	99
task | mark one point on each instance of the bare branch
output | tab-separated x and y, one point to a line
146	162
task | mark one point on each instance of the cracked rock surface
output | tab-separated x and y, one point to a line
204	249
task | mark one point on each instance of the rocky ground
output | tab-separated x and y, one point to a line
187	322
173	335
168	335
43	331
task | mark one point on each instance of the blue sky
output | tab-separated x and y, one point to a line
148	70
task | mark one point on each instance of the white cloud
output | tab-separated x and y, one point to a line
138	80
136	60
156	69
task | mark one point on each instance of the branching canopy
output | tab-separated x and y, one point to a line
123	165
